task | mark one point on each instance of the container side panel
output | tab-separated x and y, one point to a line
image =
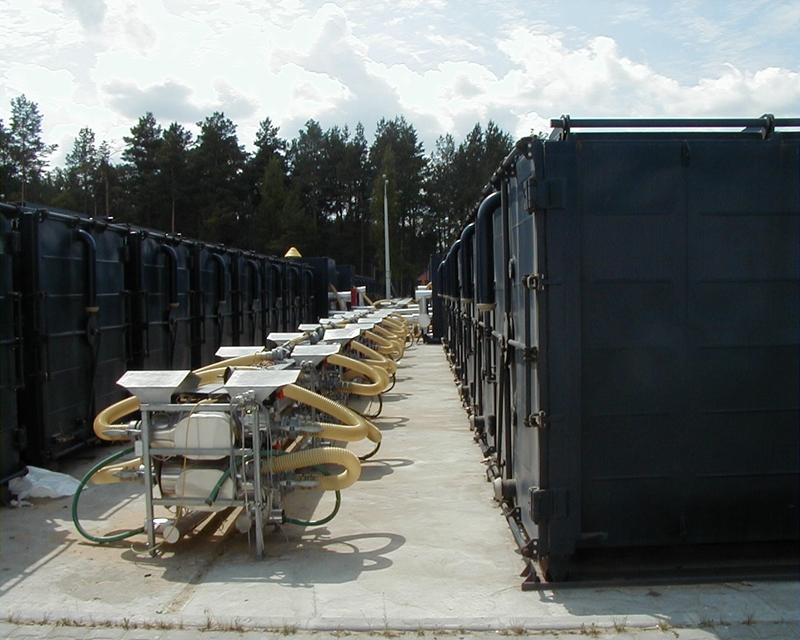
632	209
168	332
10	435
215	289
524	314
743	347
82	328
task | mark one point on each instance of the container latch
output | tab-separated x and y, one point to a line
535	281
541	193
548	504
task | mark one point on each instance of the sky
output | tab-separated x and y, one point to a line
444	65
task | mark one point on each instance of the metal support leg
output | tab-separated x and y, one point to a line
149	525
258	501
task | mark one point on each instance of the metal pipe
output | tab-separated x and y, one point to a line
386	238
220	262
465	263
484	252
172	274
91	269
767	122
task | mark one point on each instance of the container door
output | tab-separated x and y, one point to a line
74	304
546	353
11	436
215	303
253	319
522	333
741	481
631	204
165	268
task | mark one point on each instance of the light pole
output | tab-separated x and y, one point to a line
386	238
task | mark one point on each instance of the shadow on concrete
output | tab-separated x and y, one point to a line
389	423
395	397
42	535
294	557
377	469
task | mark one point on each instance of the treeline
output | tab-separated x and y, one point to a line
322	192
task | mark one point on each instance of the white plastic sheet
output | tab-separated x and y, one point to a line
41	483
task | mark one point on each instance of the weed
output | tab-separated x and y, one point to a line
749	618
620	625
706	623
664	624
289	629
231	625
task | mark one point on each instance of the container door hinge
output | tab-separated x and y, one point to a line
535	281
538	420
543	194
548	504
541	420
529	354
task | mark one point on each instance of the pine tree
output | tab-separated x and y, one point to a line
217	163
409	252
458	176
269	148
81	165
23	145
141	156
175	179
5	160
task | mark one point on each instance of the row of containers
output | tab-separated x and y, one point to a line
83	300
622	320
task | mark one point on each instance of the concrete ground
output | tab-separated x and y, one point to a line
419	547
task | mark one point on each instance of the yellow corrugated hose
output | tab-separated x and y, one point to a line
323	455
108	475
239	361
107	418
397	342
379	377
354	427
385	346
400	328
374	358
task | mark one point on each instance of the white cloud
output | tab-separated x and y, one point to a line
90	13
444	65
737	93
170	100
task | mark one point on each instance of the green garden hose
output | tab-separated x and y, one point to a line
101	539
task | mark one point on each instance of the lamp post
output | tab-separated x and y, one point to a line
386	238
